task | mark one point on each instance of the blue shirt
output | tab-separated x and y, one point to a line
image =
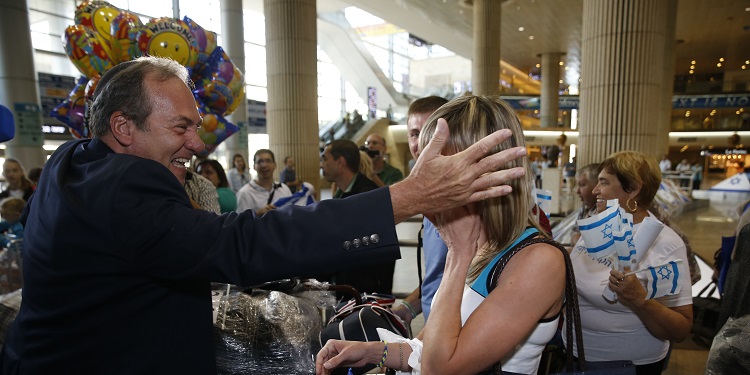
435	252
15	229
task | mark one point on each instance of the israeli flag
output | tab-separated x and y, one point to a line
303	197
598	232
663	280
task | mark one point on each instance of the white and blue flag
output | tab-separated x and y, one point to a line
663	280
598	232
303	197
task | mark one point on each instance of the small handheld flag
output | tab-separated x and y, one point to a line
663	280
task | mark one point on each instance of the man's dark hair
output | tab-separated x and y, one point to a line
264	151
347	149
427	104
123	89
286	159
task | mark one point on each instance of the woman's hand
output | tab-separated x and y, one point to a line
629	290
461	229
337	353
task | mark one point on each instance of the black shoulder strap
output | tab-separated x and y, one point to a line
273	191
572	311
419	258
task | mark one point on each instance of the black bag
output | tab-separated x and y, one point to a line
359	323
706	310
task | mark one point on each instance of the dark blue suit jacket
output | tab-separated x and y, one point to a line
117	265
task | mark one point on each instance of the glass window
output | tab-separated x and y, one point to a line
153	8
255	65
255	27
256	93
206	13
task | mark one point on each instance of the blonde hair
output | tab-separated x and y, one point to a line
12	204
365	165
633	168
471	118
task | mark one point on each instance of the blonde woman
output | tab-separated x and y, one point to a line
500	298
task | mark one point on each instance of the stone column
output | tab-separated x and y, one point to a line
485	67
18	84
549	100
291	60
665	125
233	42
622	77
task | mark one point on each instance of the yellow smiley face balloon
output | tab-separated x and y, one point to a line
168	37
97	15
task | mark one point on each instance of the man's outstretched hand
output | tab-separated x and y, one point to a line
439	182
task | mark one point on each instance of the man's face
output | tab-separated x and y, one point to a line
290	163
584	190
413	128
328	165
264	165
375	143
171	136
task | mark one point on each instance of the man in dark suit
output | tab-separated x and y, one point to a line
340	164
117	265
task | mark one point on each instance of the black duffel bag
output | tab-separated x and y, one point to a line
359	323
706	310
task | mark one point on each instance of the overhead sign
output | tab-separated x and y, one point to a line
678	101
256	117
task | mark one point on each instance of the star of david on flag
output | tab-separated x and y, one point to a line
597	232
663	280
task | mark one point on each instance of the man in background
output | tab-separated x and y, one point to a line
340	163
586	179
435	250
386	172
259	194
288	175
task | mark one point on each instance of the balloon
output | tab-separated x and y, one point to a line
123	31
97	16
206	43
71	111
168	37
214	128
88	92
86	52
221	85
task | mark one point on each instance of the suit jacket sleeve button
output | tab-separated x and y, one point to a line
374	238
347	245
365	240
355	243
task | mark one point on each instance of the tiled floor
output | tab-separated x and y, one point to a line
703	226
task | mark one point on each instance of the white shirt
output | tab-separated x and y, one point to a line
254	197
665	165
612	331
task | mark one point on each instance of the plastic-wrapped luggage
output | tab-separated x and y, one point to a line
264	331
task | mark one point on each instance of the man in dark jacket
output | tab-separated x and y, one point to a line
117	264
340	163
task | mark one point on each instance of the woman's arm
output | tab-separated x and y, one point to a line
337	353
665	323
530	288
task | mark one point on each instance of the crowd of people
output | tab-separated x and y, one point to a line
119	229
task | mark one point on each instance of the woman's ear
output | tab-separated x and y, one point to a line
636	191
